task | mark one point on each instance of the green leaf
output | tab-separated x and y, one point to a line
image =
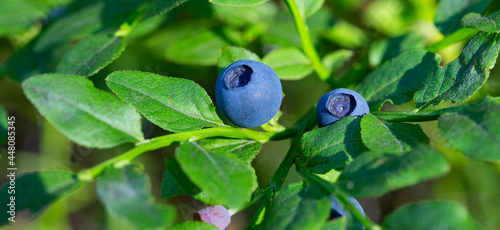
458	80
230	54
374	174
298	207
86	115
170	186
450	12
16	16
238	3
390	137
478	22
158	7
289	63
126	193
91	55
474	131
246	16
174	104
309	7
398	79
4	126
334	60
223	176
194	225
431	215
34	191
102	17
246	150
389	48
333	146
199	49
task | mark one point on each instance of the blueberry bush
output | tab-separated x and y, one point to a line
115	117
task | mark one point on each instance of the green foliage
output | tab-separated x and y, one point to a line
333	146
238	3
474	131
226	178
456	217
157	7
175	104
35	191
334	60
17	16
450	12
458	80
91	55
486	24
246	150
375	174
309	7
84	114
390	137
298	207
289	63
391	47
125	192
398	79
3	125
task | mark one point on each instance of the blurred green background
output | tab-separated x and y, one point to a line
161	45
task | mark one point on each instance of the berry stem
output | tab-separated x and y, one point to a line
163	141
307	44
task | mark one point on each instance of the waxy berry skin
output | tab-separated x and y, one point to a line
340	103
248	93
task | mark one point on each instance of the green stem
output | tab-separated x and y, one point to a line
163	141
339	196
307	44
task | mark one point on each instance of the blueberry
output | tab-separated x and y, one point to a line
216	215
248	93
339	211
340	103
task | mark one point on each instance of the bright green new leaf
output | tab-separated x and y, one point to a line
230	54
83	113
390	137
246	150
16	16
334	60
458	80
398	79
375	174
333	146
194	225
238	3
339	223
91	55
309	7
126	193
3	125
474	131
223	176
174	104
298	207
391	47
198	49
34	191
158	7
450	12
289	63
486	24
431	215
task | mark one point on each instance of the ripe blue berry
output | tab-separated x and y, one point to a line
338	210
340	103
248	93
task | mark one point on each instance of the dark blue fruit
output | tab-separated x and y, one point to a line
248	93
340	103
339	211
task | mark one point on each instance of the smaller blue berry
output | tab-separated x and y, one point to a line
248	93
339	211
340	103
